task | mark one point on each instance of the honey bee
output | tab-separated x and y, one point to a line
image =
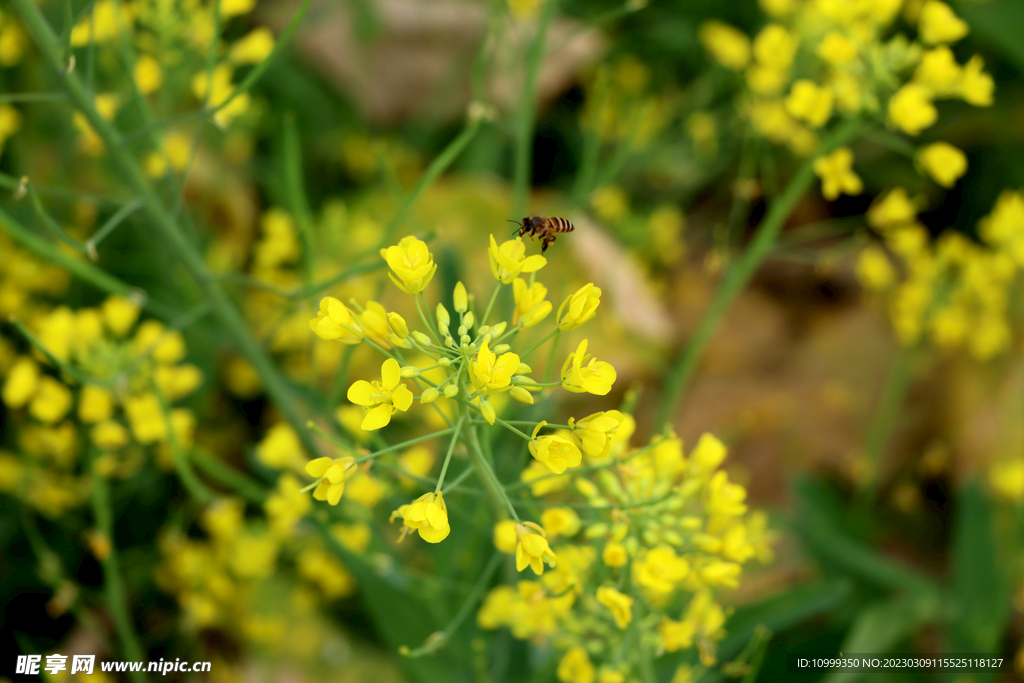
544	227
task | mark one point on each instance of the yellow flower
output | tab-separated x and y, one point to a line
280	448
103	23
335	321
729	46
532	548
660	570
560	522
938	24
411	263
146	418
216	92
460	299
95	404
724	498
555	451
614	554
148	75
837	49
837	176
1006	477
675	635
943	162
51	402
109	435
775	47
874	269
575	667
491	373
938	71
620	605
375	324
595	377
286	505
976	86
382	398
253	47
579	308
22	383
531	308
809	103
911	108
892	210
593	434
505	536
509	260
428	515
335	472
119	314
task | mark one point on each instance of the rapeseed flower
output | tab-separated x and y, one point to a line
428	515
510	259
582	373
555	451
837	176
412	265
532	548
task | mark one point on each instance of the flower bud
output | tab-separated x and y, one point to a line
536	314
465	339
498	330
421	339
445	362
523	369
484	329
461	300
579	308
395	340
429	395
501	348
487	410
521	395
469	319
462	330
443	319
451	391
397	323
409	371
449	342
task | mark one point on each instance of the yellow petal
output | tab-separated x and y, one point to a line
391	374
316	468
402	397
377	417
361	393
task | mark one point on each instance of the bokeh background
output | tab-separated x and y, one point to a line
890	463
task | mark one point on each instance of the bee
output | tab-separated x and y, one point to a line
544	227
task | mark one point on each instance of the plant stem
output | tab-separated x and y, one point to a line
164	225
224	474
113	584
296	193
740	272
490	305
897	382
486	475
527	113
451	449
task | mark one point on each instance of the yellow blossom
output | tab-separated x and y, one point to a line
509	260
579	307
428	515
593	434
280	448
660	570
837	176
103	23
729	46
335	321
491	373
1006	477
894	208
412	265
939	72
51	402
582	373
938	24
708	454
21	384
375	325
531	308
555	451
725	498
382	398
505	538
675	635
541	480
911	108
809	103
620	605
874	269
335	472
614	554
95	404
532	548
575	667
943	162
837	49
119	314
148	75
976	86
217	90
146	418
231	8
559	521
109	435
775	47
252	48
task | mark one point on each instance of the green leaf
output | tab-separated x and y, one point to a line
981	587
881	627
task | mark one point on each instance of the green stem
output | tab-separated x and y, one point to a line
451	448
740	272
527	113
227	476
113	583
536	346
897	382
182	466
296	193
112	223
164	225
490	305
486	475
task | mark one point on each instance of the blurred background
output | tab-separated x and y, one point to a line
290	141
